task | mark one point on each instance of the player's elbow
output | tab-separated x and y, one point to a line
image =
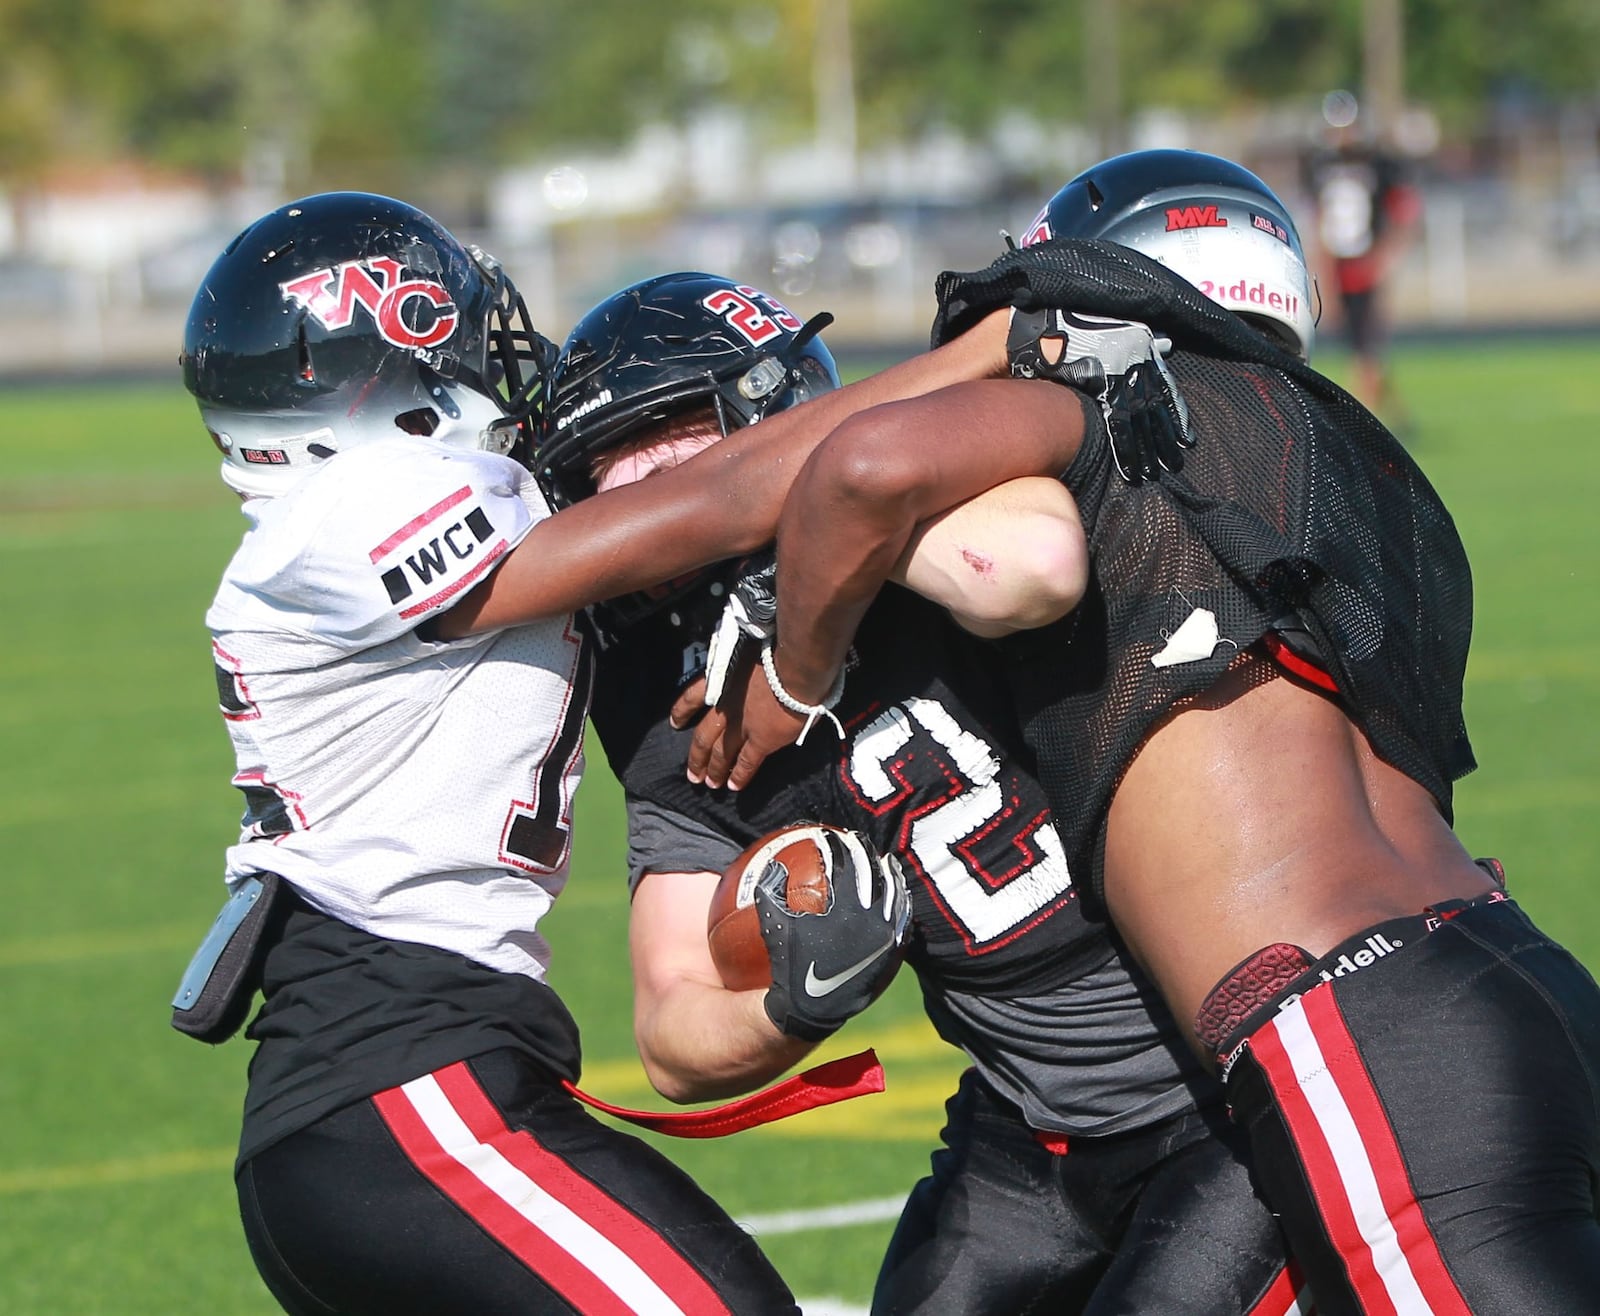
685	1064
682	1081
676	1085
1012	559
664	1066
868	466
1033	587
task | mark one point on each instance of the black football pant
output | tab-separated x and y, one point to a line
1427	1121
484	1189
1159	1222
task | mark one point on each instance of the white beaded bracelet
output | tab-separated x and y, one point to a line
811	712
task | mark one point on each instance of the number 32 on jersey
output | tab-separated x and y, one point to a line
994	865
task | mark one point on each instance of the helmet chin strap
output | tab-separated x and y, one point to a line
470	419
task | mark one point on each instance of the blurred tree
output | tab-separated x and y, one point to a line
374	92
955	64
151	80
1233	53
1460	52
33	102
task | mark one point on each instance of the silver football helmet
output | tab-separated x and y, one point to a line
1205	218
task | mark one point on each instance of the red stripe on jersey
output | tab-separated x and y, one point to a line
586	1245
417	522
471	578
253	713
1352	1161
1286	1296
291	799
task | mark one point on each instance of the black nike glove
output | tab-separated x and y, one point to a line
1119	364
828	967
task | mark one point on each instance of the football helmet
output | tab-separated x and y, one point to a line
1207	219
343	318
665	346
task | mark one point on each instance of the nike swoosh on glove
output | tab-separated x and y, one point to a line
828	967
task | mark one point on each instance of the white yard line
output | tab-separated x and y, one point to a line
823	1217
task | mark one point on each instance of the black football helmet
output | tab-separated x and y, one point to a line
345	317
1209	220
665	346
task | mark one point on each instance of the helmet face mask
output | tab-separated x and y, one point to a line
663	347
1207	219
345	318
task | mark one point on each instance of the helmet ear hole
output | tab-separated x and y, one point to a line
422	421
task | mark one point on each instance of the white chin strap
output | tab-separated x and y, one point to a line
268	482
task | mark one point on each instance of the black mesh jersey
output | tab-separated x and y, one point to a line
1295	510
933	770
922	773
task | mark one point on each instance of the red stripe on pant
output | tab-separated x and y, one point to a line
1352	1160
582	1283
1286	1296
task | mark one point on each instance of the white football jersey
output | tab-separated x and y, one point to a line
419	790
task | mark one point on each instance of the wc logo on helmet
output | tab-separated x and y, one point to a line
408	312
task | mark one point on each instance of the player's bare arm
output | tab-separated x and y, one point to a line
721	503
698	1040
855	503
850	517
1011	559
809	928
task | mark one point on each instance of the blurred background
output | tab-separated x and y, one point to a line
836	152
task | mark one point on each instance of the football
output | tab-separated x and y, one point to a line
733	924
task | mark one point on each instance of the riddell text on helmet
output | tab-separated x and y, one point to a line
1244	293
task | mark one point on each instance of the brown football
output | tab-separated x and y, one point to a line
733	925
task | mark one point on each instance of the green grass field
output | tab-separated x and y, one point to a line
116	1134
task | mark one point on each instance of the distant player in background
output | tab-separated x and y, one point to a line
1086	1165
1367	216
